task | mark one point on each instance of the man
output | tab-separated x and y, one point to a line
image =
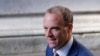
58	25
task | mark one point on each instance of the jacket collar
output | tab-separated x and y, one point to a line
74	49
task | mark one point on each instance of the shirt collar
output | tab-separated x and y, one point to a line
64	50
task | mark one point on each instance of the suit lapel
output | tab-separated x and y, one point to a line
74	49
49	51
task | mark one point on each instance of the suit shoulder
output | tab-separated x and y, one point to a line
83	51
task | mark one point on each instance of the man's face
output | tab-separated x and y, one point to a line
55	31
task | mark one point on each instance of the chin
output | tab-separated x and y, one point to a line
52	45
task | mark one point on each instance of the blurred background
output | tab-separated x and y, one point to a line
21	25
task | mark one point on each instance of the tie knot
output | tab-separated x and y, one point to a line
56	54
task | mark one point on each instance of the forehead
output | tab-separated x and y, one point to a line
54	17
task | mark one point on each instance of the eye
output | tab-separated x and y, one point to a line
56	28
45	28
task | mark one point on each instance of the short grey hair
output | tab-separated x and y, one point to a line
65	12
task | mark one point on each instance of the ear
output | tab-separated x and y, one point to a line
70	26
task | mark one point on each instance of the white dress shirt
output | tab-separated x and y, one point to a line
64	50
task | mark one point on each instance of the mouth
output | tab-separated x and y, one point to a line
52	40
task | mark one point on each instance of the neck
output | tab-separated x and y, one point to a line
68	37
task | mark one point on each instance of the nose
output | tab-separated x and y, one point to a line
49	33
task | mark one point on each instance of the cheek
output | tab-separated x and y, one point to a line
57	34
63	35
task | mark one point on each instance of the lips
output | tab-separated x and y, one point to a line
53	39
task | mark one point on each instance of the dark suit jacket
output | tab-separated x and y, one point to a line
76	50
